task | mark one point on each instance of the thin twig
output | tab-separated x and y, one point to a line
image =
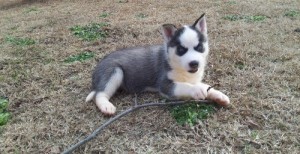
118	116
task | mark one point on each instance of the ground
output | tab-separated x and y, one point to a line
254	59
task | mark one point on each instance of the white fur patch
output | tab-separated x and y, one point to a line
90	96
114	83
102	102
178	72
102	98
179	75
218	97
189	38
182	89
197	91
180	64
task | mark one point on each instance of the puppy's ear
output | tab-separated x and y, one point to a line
200	24
168	31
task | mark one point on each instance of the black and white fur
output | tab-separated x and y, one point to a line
174	69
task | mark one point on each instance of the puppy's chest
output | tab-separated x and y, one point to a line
182	76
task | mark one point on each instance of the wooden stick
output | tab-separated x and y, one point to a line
118	116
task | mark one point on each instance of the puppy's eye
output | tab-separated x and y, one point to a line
199	48
181	50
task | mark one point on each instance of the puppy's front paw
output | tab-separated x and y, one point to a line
107	108
218	97
199	92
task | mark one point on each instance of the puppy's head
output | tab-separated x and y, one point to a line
187	47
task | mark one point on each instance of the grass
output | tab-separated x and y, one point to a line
79	57
292	13
231	2
256	65
104	15
254	18
240	65
32	9
19	41
254	135
191	113
122	1
233	17
141	15
90	32
4	114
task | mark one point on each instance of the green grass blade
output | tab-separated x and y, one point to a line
4	115
90	32
191	113
79	57
19	41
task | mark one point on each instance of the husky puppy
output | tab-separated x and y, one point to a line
174	69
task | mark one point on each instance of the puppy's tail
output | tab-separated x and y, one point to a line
90	96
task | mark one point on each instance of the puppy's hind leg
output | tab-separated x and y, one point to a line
103	95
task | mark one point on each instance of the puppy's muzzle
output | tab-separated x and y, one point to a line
194	65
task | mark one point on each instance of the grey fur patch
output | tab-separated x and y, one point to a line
102	75
167	87
143	67
175	39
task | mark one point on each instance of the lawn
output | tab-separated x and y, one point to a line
48	50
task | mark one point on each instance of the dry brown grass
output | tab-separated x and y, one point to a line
255	63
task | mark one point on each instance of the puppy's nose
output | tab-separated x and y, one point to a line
194	64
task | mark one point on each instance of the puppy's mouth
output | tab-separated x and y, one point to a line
194	70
